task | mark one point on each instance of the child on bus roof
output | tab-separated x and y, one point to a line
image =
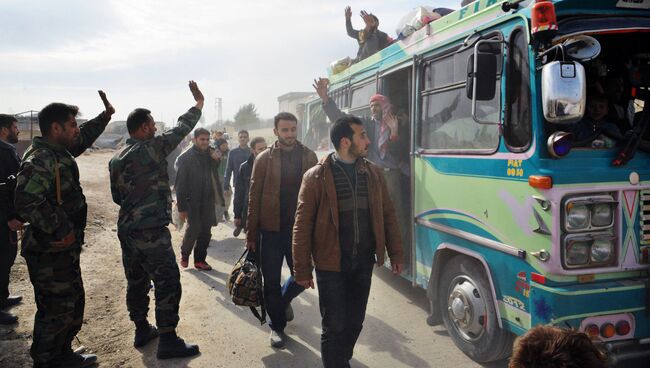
594	130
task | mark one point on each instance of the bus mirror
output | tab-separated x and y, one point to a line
564	91
481	76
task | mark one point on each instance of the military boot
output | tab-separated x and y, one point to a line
172	346
7	318
76	360
144	332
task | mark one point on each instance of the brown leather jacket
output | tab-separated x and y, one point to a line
264	196
315	232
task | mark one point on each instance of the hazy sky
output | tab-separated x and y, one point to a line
143	52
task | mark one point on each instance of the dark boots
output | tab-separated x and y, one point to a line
172	346
7	318
76	360
144	332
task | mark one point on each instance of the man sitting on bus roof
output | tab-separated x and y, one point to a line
370	39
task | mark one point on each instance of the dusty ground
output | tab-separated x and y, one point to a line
395	333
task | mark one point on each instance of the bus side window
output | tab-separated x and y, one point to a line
517	128
447	122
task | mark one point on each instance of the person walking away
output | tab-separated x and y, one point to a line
198	191
140	186
10	224
49	197
242	185
275	182
345	222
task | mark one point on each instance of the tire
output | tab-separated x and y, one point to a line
467	308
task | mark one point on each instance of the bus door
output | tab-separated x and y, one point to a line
396	84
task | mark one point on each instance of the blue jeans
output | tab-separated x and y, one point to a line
343	297
276	246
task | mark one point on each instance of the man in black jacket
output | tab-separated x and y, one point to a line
243	183
9	220
198	191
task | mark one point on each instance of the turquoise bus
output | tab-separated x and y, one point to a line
519	215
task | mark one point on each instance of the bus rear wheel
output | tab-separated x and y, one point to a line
468	312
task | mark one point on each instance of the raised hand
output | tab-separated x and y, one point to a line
108	108
197	94
348	12
391	121
320	85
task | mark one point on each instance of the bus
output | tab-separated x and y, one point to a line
517	215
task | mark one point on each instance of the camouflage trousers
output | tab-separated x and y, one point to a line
147	255
59	294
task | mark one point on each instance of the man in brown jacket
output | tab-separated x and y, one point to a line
275	182
345	222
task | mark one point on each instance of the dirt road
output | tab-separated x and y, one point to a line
395	333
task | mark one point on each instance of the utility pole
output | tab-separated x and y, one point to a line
218	106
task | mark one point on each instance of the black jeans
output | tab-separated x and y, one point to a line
343	297
276	247
8	250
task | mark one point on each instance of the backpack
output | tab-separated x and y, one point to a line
245	286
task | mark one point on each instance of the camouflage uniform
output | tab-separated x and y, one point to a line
140	185
54	271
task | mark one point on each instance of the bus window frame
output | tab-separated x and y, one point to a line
522	31
421	93
365	83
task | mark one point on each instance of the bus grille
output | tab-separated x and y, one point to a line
645	217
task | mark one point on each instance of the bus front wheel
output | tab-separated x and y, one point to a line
468	312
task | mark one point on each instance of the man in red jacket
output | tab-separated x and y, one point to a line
345	222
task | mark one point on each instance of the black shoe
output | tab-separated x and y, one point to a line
144	334
7	318
172	346
11	301
76	360
236	232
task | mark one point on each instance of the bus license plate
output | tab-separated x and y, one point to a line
633	4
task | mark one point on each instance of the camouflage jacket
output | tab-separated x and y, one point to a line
51	218
139	179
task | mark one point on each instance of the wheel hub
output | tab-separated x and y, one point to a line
466	308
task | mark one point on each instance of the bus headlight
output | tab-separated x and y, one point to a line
577	216
602	215
589	250
589	212
577	253
601	250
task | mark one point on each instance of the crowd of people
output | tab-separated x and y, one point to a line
334	217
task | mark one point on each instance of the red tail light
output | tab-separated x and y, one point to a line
592	331
607	330
623	328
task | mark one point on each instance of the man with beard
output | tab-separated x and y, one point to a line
370	39
389	150
48	196
9	221
345	222
198	190
140	186
275	183
243	183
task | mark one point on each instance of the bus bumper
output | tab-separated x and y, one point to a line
599	303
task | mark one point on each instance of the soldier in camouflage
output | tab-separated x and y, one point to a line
49	198
140	186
